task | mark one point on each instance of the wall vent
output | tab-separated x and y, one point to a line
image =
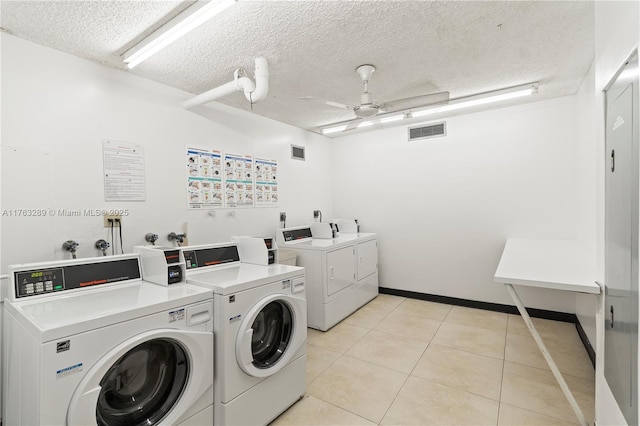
430	131
297	152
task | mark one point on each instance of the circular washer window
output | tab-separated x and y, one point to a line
272	331
143	385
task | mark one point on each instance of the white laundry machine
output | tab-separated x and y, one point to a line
260	328
87	342
341	271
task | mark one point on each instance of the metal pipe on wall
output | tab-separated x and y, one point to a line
254	92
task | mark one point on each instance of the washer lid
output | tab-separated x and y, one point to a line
55	317
328	243
232	279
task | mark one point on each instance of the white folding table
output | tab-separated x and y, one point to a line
553	264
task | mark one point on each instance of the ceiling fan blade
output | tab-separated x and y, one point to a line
330	103
415	101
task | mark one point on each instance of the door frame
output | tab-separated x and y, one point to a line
631	412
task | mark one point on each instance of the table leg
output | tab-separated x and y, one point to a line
547	356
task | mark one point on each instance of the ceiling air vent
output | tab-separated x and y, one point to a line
430	131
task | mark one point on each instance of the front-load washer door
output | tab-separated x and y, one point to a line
147	380
270	334
143	385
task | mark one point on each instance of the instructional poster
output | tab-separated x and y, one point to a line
204	178
266	174
238	183
124	178
220	180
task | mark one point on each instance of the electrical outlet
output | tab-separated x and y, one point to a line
283	216
113	217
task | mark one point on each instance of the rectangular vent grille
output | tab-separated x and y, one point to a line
430	131
297	152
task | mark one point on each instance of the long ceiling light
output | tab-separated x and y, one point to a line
365	124
392	118
361	124
329	130
182	24
454	104
483	99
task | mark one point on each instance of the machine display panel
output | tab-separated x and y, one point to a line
38	281
210	256
49	280
296	234
172	256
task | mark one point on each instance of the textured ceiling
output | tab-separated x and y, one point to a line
313	47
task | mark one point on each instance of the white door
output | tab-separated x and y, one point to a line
270	334
367	253
340	271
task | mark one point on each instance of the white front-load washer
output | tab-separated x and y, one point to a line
260	328
87	342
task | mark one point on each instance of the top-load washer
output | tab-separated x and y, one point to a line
87	342
260	328
341	271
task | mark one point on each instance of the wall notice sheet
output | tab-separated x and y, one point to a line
124	178
238	174
266	174
204	178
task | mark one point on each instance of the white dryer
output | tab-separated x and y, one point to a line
87	342
341	272
260	327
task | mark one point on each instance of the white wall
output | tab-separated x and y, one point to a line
444	207
617	34
56	111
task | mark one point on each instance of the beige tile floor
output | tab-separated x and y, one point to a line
400	361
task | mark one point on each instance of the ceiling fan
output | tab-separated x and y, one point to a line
368	108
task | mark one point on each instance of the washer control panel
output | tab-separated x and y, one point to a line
37	281
296	234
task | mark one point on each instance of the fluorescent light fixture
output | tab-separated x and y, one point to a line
182	24
454	104
392	118
333	129
479	100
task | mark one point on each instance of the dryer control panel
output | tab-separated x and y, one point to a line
32	281
293	234
198	257
296	234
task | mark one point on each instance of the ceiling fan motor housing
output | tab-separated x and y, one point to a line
366	110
